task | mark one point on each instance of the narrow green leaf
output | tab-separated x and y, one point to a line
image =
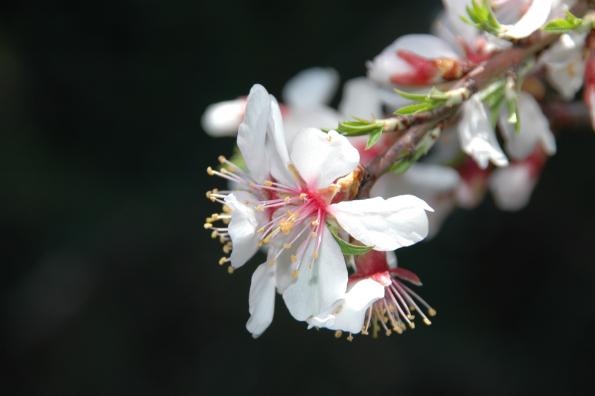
374	137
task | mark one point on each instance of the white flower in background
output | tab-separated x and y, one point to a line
564	64
223	118
415	60
435	184
535	16
477	135
285	198
376	299
534	130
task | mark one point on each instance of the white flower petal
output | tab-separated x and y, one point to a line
299	119
387	63
311	88
252	132
512	187
223	118
360	99
320	285
350	313
564	63
533	19
385	224
535	129
242	227
455	9
261	300
434	184
477	135
276	145
320	158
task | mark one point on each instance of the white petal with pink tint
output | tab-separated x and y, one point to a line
321	158
387	63
242	227
384	224
253	130
360	99
223	118
533	19
311	87
477	135
435	184
319	284
261	300
512	186
349	313
534	130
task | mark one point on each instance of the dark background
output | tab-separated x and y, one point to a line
110	286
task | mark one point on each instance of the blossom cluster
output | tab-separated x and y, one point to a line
294	183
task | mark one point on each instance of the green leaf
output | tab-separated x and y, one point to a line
347	248
415	108
359	127
374	137
564	25
480	15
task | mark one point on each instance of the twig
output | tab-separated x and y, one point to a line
416	126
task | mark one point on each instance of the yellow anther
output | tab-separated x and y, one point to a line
286	226
338	334
427	321
295	274
410	317
223	260
293	259
287	199
365	332
350	337
303	196
286	245
388	332
207	226
259	208
399	330
268	183
214	234
315	254
227	248
210	171
315	223
432	312
230	270
226	209
221	159
412	325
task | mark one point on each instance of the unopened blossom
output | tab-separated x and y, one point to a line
377	299
292	187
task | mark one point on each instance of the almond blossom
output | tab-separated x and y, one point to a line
376	300
293	187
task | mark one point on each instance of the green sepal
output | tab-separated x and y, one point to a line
347	248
